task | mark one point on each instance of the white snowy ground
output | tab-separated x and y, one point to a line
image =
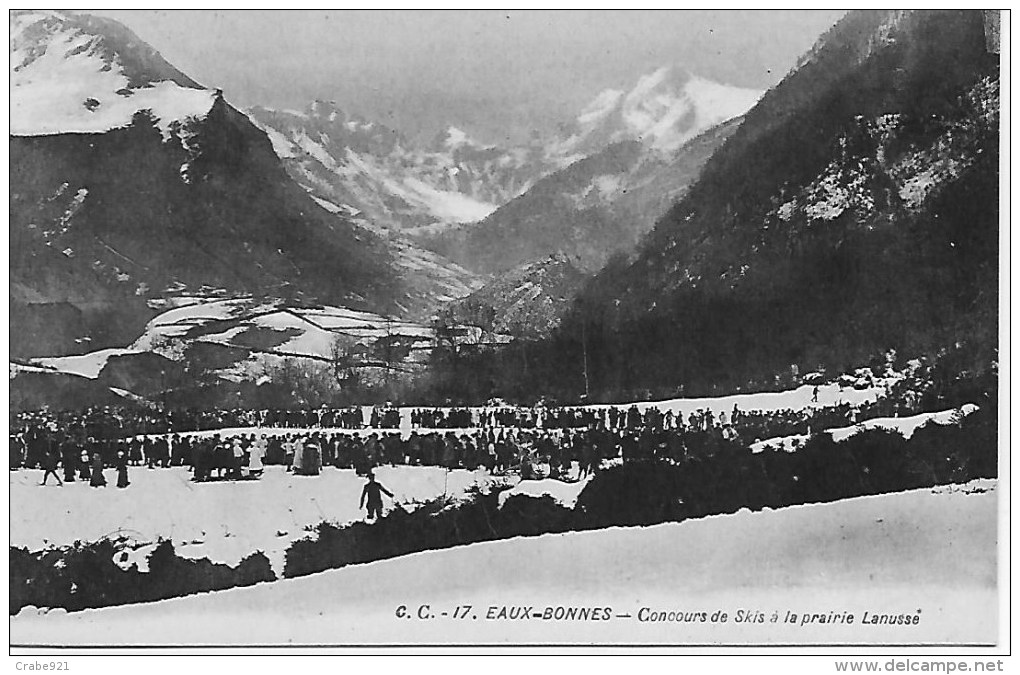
224	521
925	553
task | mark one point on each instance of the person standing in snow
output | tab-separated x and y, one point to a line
289	453
69	458
373	495
255	455
311	458
83	466
122	471
237	453
298	456
98	479
49	465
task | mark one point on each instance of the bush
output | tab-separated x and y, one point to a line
85	576
436	524
872	462
636	493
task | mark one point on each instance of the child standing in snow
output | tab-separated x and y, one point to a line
83	466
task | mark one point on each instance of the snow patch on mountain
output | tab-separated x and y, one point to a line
447	206
601	107
62	81
84	365
457	138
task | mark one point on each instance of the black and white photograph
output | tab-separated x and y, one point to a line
510	330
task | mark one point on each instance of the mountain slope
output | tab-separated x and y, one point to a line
120	194
374	171
595	207
527	302
438	193
854	210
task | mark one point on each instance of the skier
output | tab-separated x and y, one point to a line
371	493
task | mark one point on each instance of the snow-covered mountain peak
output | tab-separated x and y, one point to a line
82	74
663	110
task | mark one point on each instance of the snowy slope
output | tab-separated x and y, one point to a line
255	327
67	79
528	301
926	551
303	331
84	365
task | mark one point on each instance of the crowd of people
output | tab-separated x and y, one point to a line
125	422
542	441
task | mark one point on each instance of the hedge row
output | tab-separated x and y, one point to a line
85	576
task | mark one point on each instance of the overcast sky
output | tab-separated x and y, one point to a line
496	73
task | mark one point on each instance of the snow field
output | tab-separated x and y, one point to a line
224	521
931	551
